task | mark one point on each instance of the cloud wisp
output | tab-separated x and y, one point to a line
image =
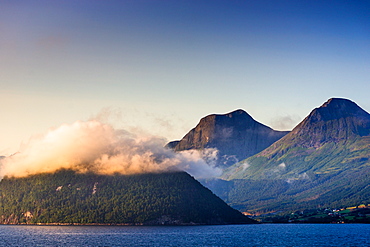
92	146
283	123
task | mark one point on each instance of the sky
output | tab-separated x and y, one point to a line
158	67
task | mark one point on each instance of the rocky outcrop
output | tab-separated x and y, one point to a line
236	135
336	120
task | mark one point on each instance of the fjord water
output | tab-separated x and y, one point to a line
229	235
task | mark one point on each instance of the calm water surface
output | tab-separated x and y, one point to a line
232	235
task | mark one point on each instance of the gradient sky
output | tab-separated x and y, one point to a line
160	66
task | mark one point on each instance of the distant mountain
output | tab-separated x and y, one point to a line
236	135
324	161
66	197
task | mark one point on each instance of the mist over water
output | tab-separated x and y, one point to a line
93	146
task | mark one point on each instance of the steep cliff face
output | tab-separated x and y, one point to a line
235	135
325	160
337	129
336	120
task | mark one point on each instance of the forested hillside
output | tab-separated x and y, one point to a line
67	197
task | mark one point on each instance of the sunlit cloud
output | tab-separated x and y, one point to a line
93	146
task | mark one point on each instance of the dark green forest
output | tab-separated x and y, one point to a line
67	197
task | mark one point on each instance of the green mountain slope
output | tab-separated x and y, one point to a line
324	161
66	197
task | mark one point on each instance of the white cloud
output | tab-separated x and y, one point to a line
96	147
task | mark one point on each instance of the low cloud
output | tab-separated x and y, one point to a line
229	160
245	165
93	146
143	122
225	133
279	169
287	122
302	176
108	115
280	172
282	166
275	172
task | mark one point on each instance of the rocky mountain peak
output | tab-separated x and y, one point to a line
238	113
336	120
237	119
236	136
336	108
324	160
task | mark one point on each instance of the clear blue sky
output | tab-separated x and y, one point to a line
162	65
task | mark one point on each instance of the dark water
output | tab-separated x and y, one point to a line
233	235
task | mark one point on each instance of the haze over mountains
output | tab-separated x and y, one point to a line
324	161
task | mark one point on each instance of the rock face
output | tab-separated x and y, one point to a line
336	120
235	135
325	160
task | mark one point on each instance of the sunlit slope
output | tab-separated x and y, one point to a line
67	197
325	160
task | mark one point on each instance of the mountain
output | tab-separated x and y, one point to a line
323	162
236	136
65	197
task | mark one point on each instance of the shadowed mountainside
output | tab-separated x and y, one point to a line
235	135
